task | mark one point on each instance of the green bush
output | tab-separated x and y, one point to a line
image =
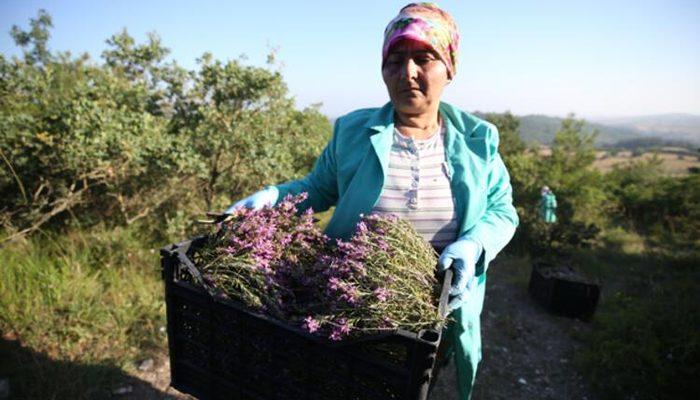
620	240
646	342
138	138
583	204
664	209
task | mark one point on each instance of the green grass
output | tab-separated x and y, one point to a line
646	338
81	307
623	241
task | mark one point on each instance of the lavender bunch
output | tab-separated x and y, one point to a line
257	257
280	263
381	279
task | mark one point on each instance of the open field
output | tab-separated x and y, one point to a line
674	160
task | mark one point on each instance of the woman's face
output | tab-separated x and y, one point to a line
414	76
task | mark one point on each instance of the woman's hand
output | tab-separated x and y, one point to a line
266	197
461	256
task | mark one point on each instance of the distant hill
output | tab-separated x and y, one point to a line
673	127
541	129
645	131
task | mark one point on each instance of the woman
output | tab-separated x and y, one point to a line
424	160
548	205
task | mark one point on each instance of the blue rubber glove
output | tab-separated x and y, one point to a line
461	256
266	197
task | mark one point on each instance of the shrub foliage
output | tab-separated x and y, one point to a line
136	136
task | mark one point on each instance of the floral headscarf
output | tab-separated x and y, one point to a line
426	23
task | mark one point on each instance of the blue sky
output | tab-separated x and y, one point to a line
595	58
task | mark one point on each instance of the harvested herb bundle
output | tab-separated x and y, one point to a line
280	263
381	279
257	257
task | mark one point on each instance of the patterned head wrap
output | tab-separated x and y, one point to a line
426	23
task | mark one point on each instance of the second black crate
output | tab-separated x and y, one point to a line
563	291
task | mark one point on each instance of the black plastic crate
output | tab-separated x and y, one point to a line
562	291
221	350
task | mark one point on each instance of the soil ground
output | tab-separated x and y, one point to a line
527	353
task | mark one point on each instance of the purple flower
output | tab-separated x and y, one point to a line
362	228
381	293
334	284
343	327
231	250
310	324
352	250
350	295
340	329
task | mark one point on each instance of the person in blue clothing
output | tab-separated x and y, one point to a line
548	205
424	160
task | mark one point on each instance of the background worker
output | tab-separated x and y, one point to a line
548	205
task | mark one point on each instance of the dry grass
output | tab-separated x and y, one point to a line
673	161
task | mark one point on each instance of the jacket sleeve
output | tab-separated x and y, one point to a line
320	184
497	226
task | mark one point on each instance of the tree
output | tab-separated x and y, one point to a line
36	39
507	124
244	129
569	172
583	203
137	137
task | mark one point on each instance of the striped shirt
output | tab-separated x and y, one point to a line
418	188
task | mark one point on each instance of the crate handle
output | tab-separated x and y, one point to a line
194	272
445	293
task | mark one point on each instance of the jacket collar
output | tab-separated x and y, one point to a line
382	119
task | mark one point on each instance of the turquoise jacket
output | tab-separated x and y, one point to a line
548	207
351	172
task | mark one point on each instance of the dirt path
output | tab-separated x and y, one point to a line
154	384
527	353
